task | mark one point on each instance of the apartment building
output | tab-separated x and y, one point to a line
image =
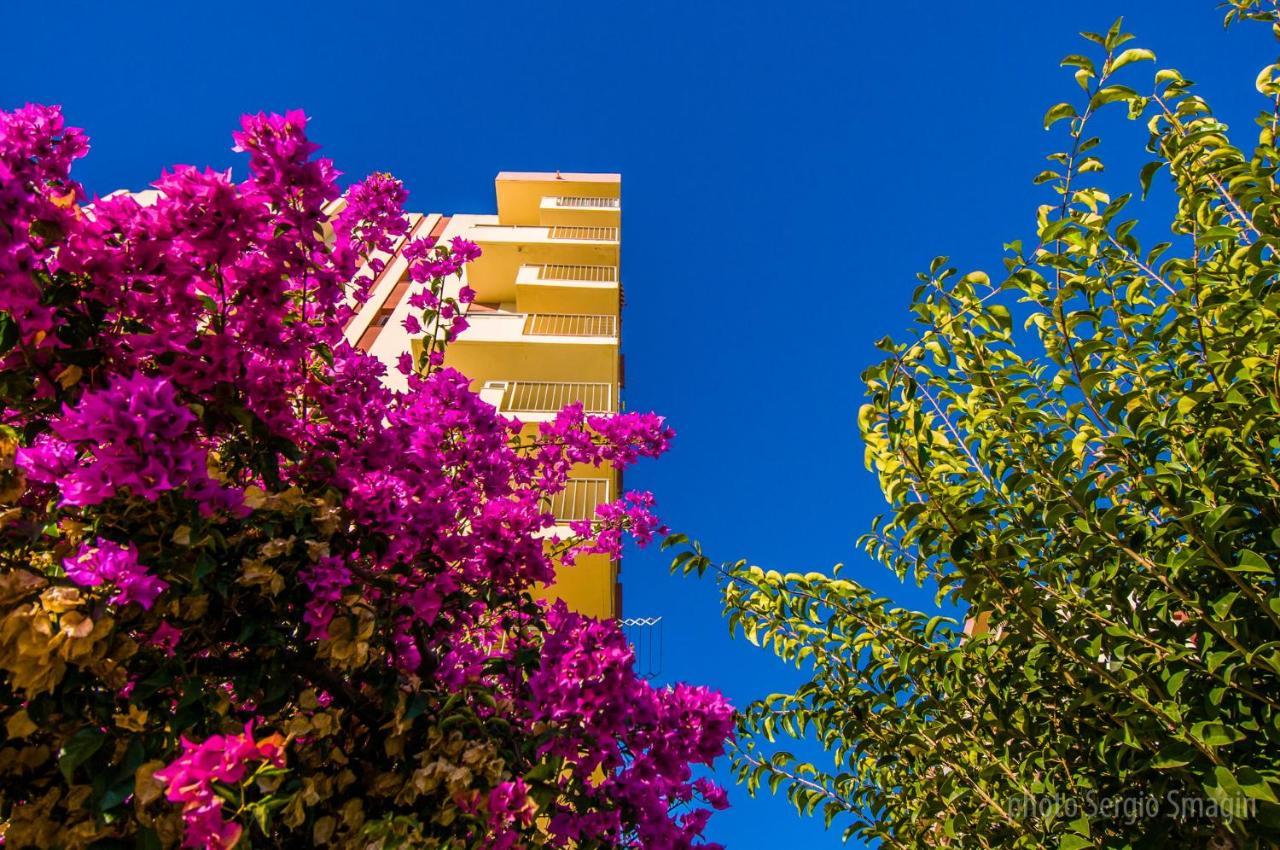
544	328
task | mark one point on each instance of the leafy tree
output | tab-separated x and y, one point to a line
1085	455
251	596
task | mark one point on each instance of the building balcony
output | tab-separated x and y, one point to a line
578	275
505	248
590	585
579	202
578	500
521	194
565	288
590	328
540	401
536	234
576	233
552	347
579	210
571	324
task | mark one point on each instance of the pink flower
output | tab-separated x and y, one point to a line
224	759
586	688
110	563
509	806
36	152
633	513
371	220
134	434
464	250
326	580
166	637
712	793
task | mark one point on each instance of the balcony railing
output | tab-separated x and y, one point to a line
570	324
594	274
597	203
578	500
549	397
584	234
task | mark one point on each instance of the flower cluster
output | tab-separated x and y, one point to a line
105	562
325	579
134	433
190	780
510	810
36	152
443	315
368	226
328	559
633	514
586	687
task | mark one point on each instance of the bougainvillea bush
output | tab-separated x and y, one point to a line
250	596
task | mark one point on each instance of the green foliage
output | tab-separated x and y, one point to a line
1086	455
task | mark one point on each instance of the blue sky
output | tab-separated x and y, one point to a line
787	169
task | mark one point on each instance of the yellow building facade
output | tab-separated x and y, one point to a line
544	328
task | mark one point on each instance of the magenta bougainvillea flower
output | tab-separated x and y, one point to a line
133	434
110	563
190	781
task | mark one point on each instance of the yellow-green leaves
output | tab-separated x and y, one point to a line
1133	54
1086	452
1268	81
1058	112
1112	94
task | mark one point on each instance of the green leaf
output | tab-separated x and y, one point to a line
673	540
1214	734
1173	756
116	793
1057	113
8	332
1112	94
1223	788
1133	54
147	840
79	748
1251	562
1077	61
1001	314
1253	784
932	626
1149	171
543	772
1221	233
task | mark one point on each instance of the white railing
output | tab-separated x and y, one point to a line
584	234
594	274
596	203
570	324
578	500
551	396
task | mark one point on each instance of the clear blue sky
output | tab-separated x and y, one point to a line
787	168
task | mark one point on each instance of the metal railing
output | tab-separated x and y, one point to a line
584	234
562	271
570	324
550	396
646	639
579	201
578	500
